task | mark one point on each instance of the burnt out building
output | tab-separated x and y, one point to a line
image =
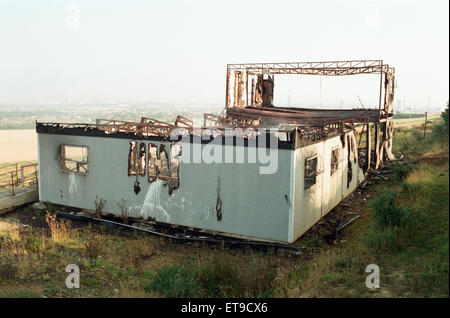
308	160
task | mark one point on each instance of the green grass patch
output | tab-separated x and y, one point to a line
216	276
21	293
175	281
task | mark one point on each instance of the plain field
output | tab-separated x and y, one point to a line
18	145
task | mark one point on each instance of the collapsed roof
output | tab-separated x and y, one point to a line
249	103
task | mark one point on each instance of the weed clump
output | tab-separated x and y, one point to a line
387	213
401	171
390	221
59	230
93	245
99	204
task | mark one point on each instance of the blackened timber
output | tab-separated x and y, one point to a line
303	115
270	141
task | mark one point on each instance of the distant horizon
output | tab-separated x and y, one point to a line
409	109
176	52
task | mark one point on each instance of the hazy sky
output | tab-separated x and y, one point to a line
177	51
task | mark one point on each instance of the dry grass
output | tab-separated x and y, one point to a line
59	230
138	252
124	211
420	176
130	290
99	204
93	245
415	122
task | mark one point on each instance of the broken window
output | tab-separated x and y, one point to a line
73	158
159	165
133	161
353	149
349	162
342	140
334	160
175	153
163	166
152	162
142	158
310	172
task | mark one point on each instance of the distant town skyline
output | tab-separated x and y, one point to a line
176	52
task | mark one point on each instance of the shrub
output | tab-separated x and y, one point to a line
387	213
401	171
390	220
439	132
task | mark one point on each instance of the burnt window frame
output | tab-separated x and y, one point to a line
152	171
312	174
349	161
133	154
353	147
174	166
139	157
142	159
334	166
61	156
163	152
